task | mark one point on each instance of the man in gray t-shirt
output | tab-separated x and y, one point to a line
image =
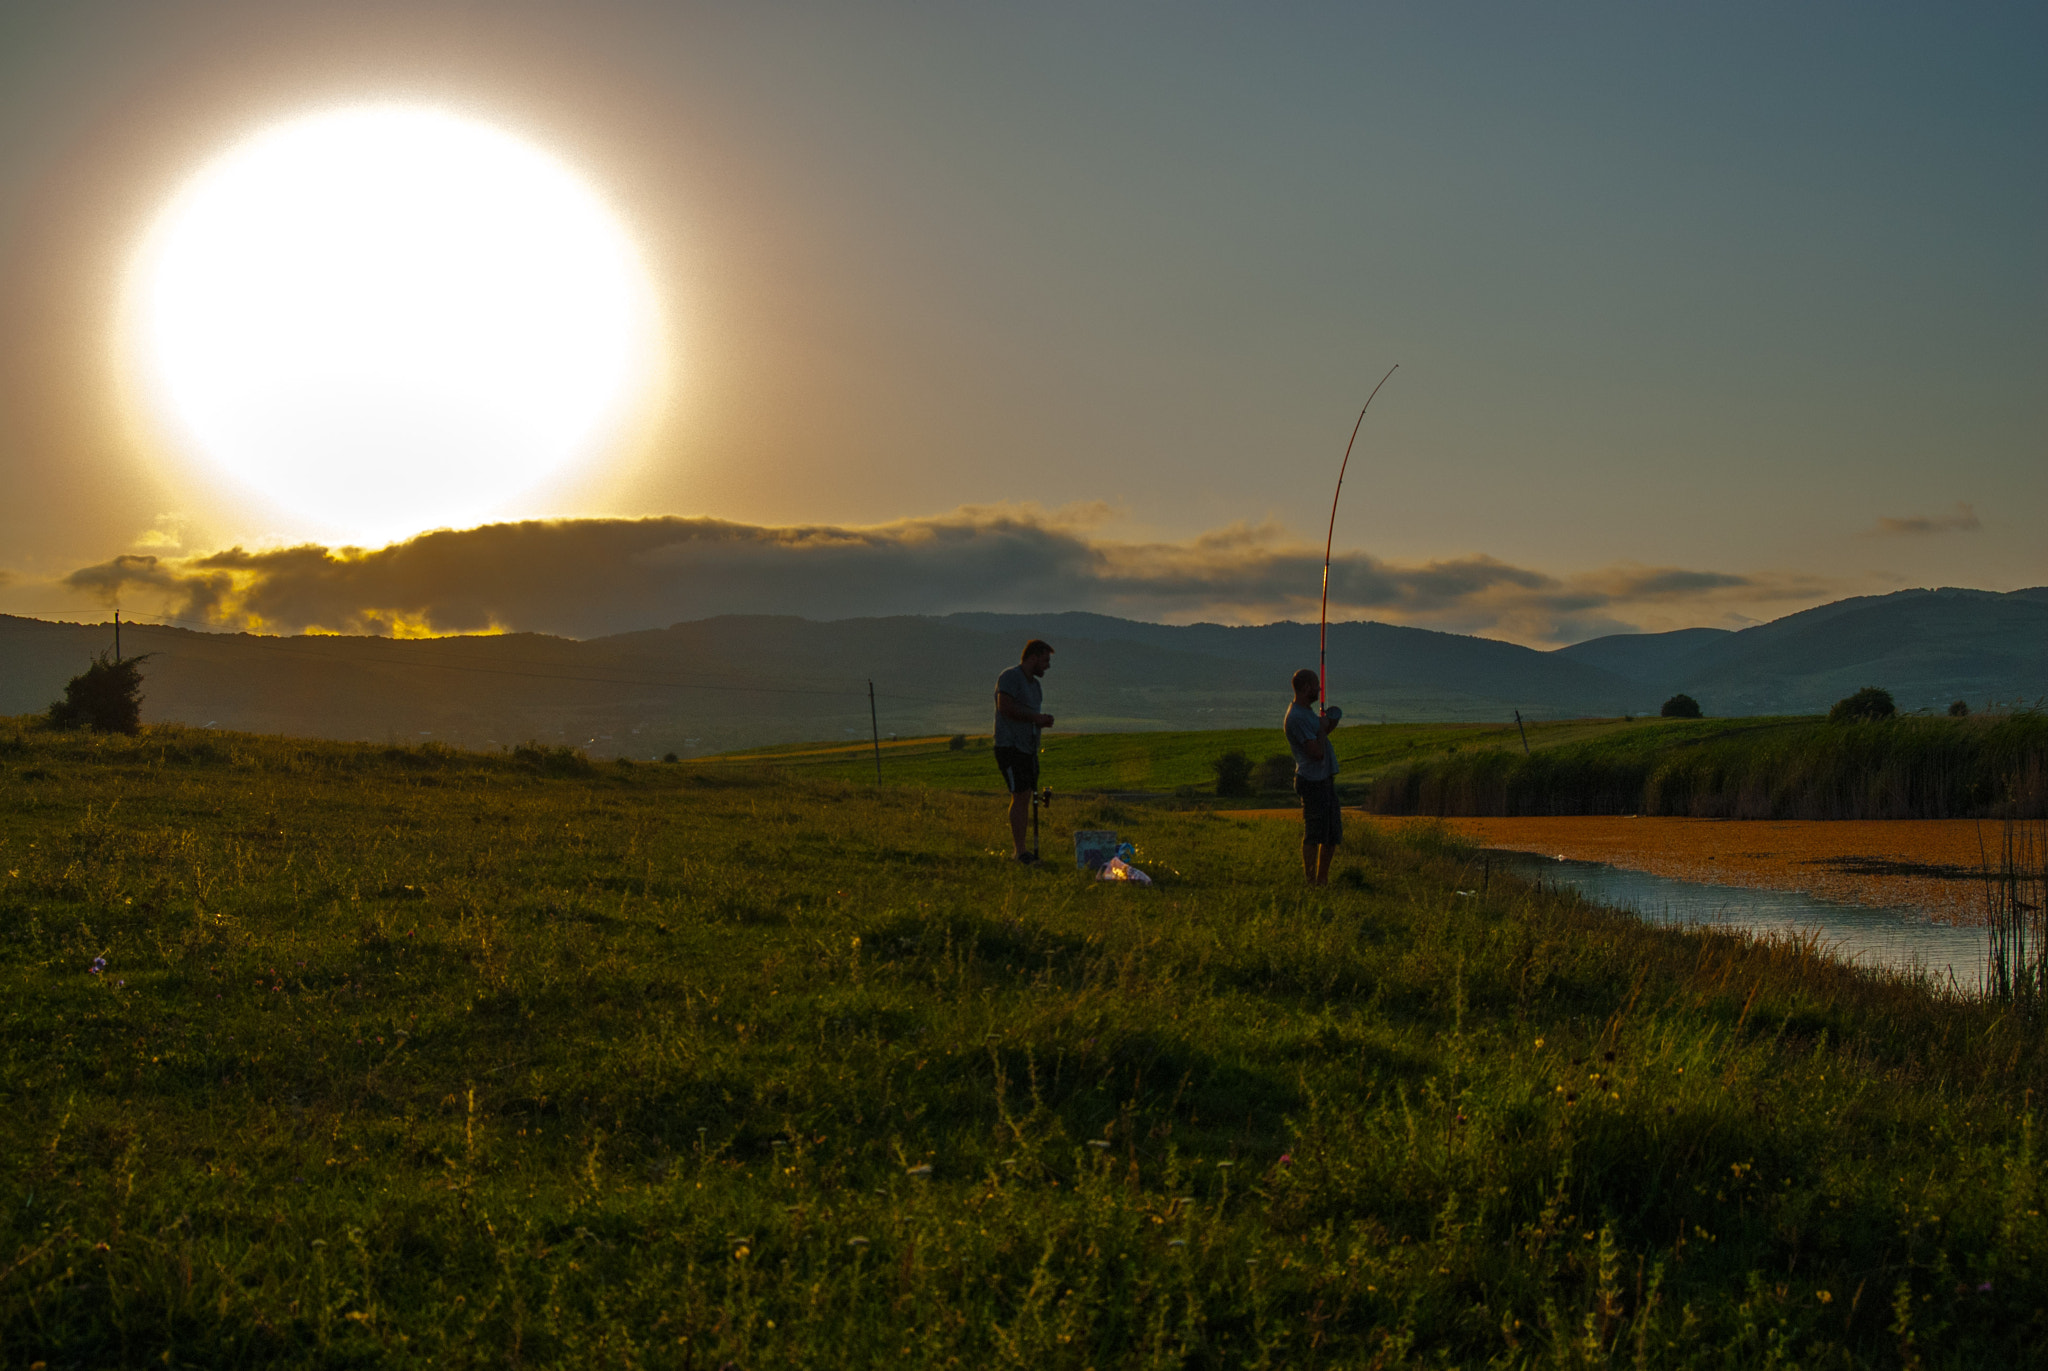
1315	775
1018	720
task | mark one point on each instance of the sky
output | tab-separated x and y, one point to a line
1703	314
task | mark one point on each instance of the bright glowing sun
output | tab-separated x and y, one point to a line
387	318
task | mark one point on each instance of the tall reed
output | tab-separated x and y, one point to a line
1909	768
2016	906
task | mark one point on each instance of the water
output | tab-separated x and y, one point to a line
1899	939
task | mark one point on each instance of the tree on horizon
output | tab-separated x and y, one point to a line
106	697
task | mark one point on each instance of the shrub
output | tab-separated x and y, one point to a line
1233	773
1867	705
107	697
669	757
1275	773
1959	710
552	761
1680	707
957	743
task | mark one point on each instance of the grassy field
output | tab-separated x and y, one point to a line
1166	763
331	1055
1798	768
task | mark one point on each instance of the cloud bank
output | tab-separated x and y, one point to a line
586	577
1964	520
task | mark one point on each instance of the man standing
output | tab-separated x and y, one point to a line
1315	776
1018	696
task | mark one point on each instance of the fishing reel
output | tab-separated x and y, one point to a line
1042	797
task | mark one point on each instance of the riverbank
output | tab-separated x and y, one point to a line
1927	864
1932	865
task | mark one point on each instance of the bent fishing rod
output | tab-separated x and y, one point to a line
1323	630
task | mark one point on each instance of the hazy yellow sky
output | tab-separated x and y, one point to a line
1702	315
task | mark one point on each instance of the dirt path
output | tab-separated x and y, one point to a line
1929	864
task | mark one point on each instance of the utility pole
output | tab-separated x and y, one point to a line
117	637
1523	731
875	724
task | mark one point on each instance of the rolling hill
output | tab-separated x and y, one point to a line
749	680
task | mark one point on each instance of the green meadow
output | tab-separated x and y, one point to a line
332	1055
1795	767
1164	763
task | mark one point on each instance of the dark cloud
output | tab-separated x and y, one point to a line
1964	520
584	577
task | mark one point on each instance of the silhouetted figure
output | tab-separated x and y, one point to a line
1018	721
1315	775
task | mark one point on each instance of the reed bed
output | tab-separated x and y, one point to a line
2016	906
1989	766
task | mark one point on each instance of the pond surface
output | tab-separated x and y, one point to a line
1898	939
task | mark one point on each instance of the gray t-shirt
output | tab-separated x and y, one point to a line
1021	686
1304	726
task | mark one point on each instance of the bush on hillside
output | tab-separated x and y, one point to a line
1681	707
1233	773
552	761
1867	705
957	743
106	697
1275	773
1959	710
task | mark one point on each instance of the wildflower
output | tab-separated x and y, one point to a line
99	964
1984	1289
1286	1158
1825	1296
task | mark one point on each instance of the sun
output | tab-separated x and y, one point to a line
387	318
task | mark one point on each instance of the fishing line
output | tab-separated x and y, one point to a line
1323	629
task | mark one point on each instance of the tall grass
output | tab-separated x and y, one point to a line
334	1056
1903	768
2016	905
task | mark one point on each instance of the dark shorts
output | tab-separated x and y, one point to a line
1322	822
1019	768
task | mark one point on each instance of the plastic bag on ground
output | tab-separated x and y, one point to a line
1093	847
1117	869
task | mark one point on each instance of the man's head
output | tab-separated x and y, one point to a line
1307	685
1037	656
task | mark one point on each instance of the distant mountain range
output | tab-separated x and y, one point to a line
740	681
1928	647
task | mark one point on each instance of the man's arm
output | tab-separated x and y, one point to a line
1010	709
